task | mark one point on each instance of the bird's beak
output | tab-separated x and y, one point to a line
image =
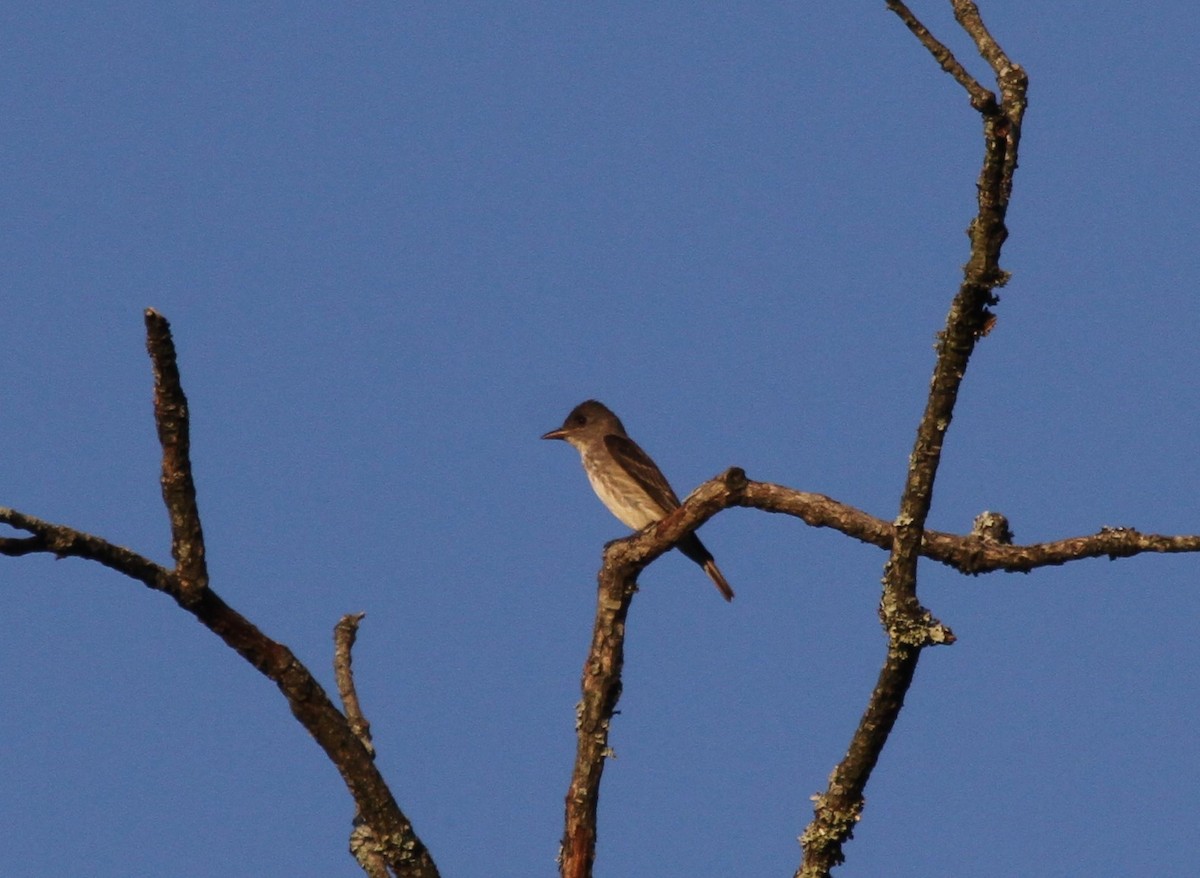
560	433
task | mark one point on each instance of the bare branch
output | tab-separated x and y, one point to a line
969	553
364	843
981	98
601	687
307	699
345	741
344	635
65	542
394	838
909	625
383	840
966	13
624	559
178	487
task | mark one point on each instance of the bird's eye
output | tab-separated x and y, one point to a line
579	420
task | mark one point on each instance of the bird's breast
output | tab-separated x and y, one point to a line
620	493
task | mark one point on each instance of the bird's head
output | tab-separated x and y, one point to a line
586	420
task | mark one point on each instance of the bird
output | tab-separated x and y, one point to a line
626	480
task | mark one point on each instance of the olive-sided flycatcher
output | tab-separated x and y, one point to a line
626	480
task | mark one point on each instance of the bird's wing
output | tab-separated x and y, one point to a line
642	469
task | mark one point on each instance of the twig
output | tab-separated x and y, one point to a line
344	635
365	845
178	487
966	13
65	542
981	98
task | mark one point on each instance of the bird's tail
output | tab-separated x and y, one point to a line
710	567
694	549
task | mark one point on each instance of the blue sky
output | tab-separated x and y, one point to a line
398	242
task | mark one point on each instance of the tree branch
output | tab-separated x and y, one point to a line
178	488
601	683
383	839
365	846
968	553
981	98
187	584
624	559
911	627
601	687
65	542
344	635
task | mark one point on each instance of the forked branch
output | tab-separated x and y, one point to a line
397	845
909	625
977	552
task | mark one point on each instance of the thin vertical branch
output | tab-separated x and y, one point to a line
178	487
344	635
910	626
601	685
365	845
